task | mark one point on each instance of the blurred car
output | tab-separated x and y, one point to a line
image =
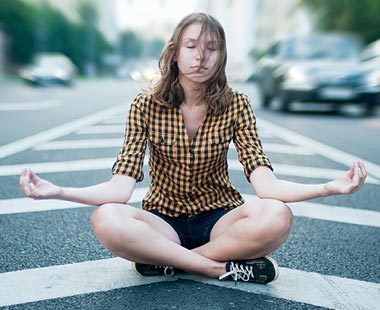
370	58
49	68
322	67
139	70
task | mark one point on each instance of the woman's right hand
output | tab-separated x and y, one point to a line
37	188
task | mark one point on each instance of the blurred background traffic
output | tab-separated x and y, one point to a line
272	43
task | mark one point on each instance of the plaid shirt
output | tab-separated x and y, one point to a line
189	178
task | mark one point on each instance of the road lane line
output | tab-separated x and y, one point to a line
62	166
302	171
115	120
106	163
28	106
39	284
59	131
102	129
311	288
300	209
320	148
24	205
80	144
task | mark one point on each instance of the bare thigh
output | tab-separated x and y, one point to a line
120	217
261	212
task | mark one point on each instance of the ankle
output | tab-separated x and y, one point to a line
216	270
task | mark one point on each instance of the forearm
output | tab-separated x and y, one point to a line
93	195
117	190
291	192
266	185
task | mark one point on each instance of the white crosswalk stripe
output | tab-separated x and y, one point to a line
107	274
74	279
28	106
106	163
303	209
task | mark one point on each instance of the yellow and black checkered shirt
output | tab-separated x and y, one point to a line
189	178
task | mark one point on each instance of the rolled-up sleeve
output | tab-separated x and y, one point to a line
131	156
246	139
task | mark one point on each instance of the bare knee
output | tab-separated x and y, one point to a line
107	217
279	215
272	215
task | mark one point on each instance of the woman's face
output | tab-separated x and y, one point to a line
197	55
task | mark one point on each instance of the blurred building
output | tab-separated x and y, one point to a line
277	19
238	20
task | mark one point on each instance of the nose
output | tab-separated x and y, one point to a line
199	54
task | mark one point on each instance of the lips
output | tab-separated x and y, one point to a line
199	68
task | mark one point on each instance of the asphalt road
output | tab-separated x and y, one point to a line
50	259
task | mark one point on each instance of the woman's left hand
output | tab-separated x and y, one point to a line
351	182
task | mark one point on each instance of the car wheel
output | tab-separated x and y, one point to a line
369	109
284	102
266	100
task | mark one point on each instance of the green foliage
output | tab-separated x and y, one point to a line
17	20
357	16
131	45
155	47
33	28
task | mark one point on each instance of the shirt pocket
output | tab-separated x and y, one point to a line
163	144
217	144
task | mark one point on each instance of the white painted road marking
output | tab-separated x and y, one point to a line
102	129
320	148
106	163
302	209
28	106
80	144
68	280
23	205
103	275
56	132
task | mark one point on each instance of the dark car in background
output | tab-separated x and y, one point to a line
49	68
323	68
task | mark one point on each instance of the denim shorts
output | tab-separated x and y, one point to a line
193	231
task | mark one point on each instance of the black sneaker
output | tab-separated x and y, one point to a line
260	270
146	270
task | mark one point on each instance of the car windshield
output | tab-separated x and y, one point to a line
321	47
48	62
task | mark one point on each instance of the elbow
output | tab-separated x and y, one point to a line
122	198
263	194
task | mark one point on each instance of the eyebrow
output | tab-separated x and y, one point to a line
195	40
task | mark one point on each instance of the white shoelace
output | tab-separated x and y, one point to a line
239	272
168	270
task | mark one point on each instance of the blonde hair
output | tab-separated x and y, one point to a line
216	92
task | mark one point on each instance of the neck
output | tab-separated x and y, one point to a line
191	90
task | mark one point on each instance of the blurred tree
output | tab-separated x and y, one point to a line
89	55
131	45
89	18
18	22
360	17
43	28
154	47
